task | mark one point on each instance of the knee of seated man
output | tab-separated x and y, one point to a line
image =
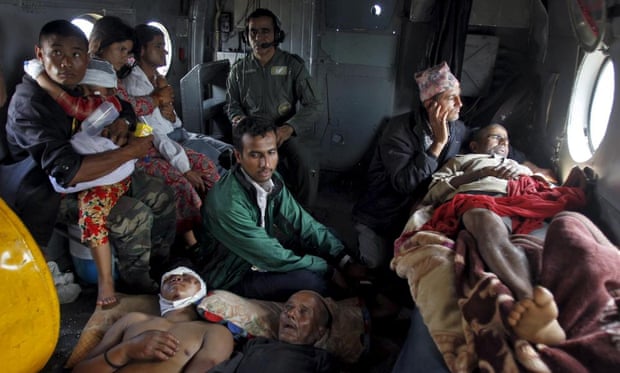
154	193
374	250
130	216
314	281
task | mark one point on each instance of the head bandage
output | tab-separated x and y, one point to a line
166	305
435	80
100	73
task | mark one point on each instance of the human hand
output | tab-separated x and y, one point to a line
167	111
160	81
237	119
283	133
195	178
507	170
152	345
576	179
117	131
163	95
438	117
139	147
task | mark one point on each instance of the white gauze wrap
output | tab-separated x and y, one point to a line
166	305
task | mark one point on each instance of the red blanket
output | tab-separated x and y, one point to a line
528	203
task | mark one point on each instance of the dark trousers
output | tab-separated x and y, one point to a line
279	286
300	169
419	353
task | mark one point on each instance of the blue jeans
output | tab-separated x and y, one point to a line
279	286
419	353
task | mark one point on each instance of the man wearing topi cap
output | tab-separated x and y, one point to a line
175	342
409	150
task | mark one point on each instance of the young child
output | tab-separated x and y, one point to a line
97	197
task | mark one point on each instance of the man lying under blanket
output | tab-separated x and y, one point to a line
500	293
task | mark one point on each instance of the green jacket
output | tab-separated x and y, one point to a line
271	92
234	241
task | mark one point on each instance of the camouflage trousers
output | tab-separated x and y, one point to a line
142	228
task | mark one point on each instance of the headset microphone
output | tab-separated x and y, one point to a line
266	45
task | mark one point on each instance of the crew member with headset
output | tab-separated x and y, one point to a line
268	84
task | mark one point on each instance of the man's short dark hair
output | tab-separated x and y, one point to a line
263	12
480	131
253	127
144	34
64	28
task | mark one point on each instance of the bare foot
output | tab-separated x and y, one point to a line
106	296
535	320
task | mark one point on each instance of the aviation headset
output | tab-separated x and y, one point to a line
278	34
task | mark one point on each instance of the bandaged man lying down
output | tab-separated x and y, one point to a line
179	342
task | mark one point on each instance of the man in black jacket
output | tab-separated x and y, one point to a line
409	151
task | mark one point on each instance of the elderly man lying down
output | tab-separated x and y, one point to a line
304	320
505	285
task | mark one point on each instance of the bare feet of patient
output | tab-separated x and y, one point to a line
535	320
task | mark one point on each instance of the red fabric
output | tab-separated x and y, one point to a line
95	205
528	203
188	201
81	107
142	105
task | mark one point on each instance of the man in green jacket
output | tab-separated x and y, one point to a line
275	85
260	243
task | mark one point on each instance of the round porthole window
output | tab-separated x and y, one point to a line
591	104
86	22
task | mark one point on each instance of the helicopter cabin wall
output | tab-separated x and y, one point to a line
351	54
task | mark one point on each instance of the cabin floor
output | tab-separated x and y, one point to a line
337	194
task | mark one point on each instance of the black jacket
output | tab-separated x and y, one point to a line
268	355
400	171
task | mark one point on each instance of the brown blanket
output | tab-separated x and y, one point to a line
465	307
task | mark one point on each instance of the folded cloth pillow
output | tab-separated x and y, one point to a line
101	320
348	338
